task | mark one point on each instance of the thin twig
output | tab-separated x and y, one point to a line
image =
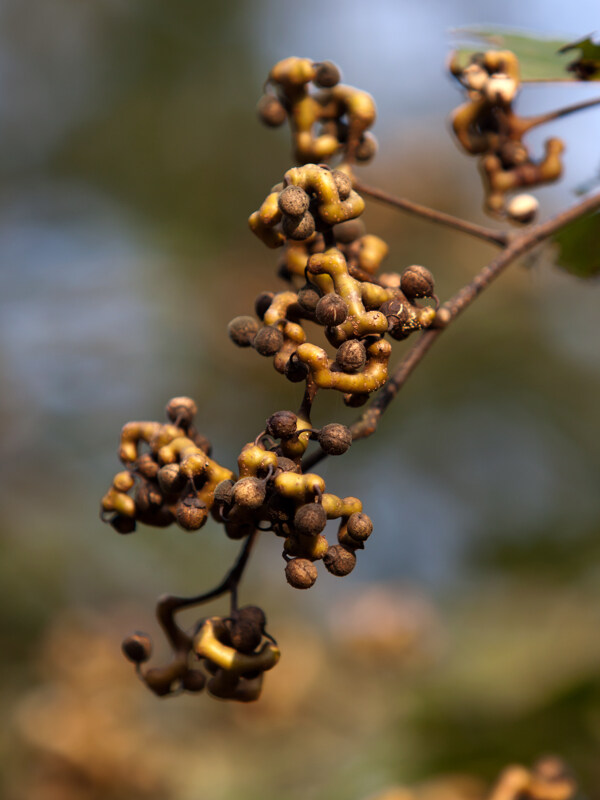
499	238
559	113
520	244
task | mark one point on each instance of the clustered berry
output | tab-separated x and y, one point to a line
333	287
172	480
227	656
330	122
488	127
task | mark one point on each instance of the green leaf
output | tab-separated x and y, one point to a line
579	246
539	58
587	66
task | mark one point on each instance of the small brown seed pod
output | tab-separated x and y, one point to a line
299	228
334	438
123	524
249	493
170	479
417	282
146	466
268	341
308	297
193	681
351	356
293	201
310	519
295	370
300	573
271	111
342	183
137	647
282	425
242	330
238	530
191	513
327	75
355	399
331	310
158	680
254	614
367	147
339	561
359	526
262	303
224	493
348	231
147	496
287	465
181	411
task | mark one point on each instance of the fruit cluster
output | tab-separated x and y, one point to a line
273	493
228	656
172	480
487	126
330	122
340	291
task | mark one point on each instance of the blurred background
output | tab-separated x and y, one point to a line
467	637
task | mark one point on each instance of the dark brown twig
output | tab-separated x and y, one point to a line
499	238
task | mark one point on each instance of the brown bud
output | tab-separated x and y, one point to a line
224	493
137	647
348	231
147	496
159	680
335	439
170	479
308	297
416	282
123	524
238	530
331	310
242	330
193	681
287	465
191	513
268	341
351	356
247	629
310	519
300	573
339	561
262	303
355	399
327	74
293	201
367	147
253	613
398	316
270	111
299	228
249	493
181	411
359	526
342	183
146	466
295	370
282	424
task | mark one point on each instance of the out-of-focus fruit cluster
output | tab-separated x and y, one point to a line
226	656
333	121
488	127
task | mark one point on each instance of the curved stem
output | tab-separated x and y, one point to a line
498	238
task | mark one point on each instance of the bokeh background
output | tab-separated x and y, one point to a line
467	637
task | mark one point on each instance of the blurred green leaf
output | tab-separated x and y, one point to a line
579	246
587	66
539	58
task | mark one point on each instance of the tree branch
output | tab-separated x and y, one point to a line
498	238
